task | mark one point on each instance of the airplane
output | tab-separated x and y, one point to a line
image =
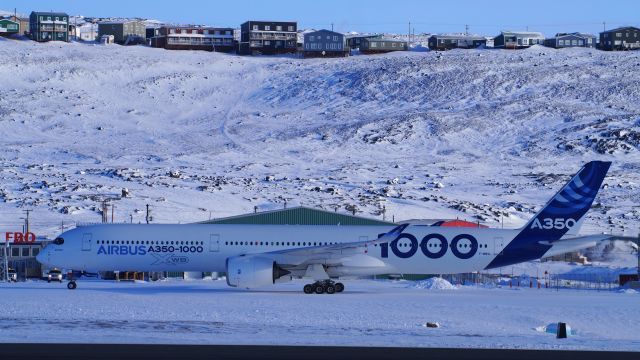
261	255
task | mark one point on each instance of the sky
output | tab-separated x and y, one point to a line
483	17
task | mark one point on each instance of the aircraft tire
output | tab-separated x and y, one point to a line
339	287
71	285
319	289
308	289
330	289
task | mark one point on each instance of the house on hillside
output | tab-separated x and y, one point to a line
194	38
447	42
49	26
124	32
325	43
268	37
622	38
382	45
518	39
576	39
9	27
354	42
24	24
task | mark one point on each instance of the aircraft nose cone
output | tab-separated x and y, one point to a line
43	256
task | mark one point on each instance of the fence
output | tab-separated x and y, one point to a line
595	282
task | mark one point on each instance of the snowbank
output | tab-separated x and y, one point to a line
434	283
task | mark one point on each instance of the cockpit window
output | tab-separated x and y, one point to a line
58	241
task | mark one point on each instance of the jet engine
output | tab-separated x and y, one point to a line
252	271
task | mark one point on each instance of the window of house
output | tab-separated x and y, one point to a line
15	252
590	40
48	18
35	251
290	28
574	42
228	32
374	44
194	31
393	44
206	32
41	18
183	31
255	27
618	34
25	251
311	38
279	28
57	18
267	42
64	19
172	31
581	42
267	27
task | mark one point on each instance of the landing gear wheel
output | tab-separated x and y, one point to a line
48	281
71	285
308	289
330	289
319	289
339	287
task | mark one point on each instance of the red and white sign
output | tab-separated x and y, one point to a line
20	238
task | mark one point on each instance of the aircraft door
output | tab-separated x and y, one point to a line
86	242
214	242
498	245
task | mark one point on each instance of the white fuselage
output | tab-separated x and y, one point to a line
205	247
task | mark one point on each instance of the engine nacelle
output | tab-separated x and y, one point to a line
251	271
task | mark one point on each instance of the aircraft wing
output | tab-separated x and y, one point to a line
334	254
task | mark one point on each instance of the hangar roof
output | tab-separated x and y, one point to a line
298	216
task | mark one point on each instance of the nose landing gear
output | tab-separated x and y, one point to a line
72	283
324	286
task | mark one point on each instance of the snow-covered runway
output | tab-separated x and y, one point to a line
369	313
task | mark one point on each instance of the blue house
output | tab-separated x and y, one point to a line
325	43
576	39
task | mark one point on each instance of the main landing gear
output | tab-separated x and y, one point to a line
324	286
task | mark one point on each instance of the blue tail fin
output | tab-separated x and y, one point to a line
561	215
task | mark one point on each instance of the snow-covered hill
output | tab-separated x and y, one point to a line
477	134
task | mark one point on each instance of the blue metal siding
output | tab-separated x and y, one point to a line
324	40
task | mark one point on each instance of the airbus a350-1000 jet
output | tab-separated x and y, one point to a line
261	255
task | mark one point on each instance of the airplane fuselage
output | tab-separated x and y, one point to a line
204	247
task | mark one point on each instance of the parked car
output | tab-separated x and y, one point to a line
54	275
13	276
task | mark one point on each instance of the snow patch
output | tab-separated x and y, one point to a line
434	283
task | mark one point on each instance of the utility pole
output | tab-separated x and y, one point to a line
113	208
331	26
104	211
604	26
147	216
409	37
26	221
466	30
